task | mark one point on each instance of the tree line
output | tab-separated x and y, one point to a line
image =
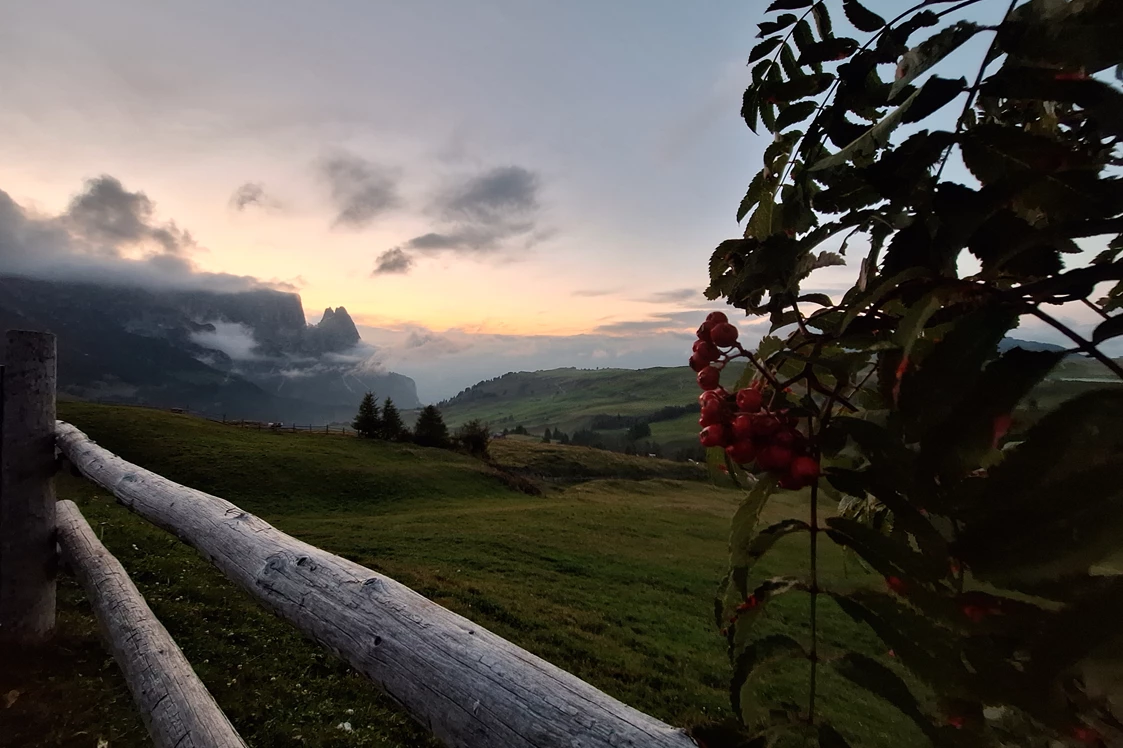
429	430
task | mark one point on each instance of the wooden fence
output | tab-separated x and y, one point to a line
467	685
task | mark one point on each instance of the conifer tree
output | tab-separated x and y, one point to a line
367	422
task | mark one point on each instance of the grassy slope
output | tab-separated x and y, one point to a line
566	398
611	579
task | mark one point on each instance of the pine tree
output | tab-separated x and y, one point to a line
430	430
367	422
392	424
562	437
546	436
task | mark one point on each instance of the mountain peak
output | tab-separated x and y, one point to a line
335	331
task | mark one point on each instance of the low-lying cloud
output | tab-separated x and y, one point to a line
234	339
108	235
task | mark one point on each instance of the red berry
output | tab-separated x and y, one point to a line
704	332
1086	735
749	400
897	584
723	335
697	363
706	351
712	412
956	722
974	613
709	378
750	603
765	425
804	470
774	458
743	427
717	394
716	435
741	452
713	319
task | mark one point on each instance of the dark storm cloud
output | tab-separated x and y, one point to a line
360	190
497	211
106	236
252	194
108	214
391	262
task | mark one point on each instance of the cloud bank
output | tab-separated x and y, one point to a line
107	235
360	190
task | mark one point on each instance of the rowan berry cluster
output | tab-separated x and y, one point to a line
741	423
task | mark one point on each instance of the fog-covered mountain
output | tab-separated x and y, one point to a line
247	354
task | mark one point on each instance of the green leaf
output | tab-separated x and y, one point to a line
750	107
771	27
874	296
1054	505
817	298
868	143
934	94
834	48
916	319
787	5
765	47
1108	329
861	17
822	19
762	223
715	460
764	540
960	443
891	558
757	654
881	681
830	737
923	56
930	391
752	196
745	520
795	113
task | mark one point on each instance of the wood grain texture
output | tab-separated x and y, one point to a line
27	496
468	686
176	707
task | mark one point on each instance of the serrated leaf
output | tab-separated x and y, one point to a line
890	557
916	318
930	391
752	196
787	5
795	113
861	17
834	48
764	48
715	461
745	520
868	143
1054	505
817	298
759	653
926	54
830	737
764	540
874	296
1108	329
822	20
750	107
934	94
761	224
881	681
782	22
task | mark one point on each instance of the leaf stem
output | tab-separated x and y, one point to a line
813	653
1084	345
974	90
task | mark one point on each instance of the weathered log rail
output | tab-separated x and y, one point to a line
175	706
468	686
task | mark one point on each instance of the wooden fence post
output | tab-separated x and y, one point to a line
27	493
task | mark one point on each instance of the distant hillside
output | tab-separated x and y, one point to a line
570	398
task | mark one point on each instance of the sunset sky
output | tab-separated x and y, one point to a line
498	184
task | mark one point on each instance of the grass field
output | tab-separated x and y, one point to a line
611	578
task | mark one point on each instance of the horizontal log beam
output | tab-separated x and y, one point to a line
176	707
467	685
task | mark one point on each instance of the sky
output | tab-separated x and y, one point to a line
486	186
